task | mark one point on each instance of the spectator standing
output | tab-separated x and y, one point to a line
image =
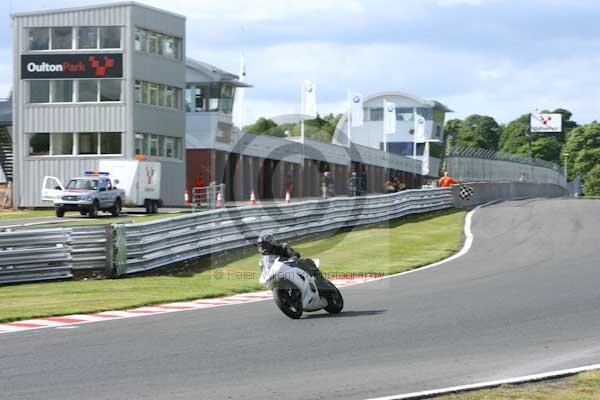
447	180
327	185
353	184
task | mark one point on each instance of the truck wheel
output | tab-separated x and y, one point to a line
60	212
93	211
116	209
148	205
154	206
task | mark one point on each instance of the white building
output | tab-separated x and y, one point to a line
400	143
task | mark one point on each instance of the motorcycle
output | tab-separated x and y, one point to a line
294	290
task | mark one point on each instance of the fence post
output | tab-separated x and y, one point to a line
109	246
120	250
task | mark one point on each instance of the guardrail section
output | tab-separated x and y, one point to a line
145	246
35	255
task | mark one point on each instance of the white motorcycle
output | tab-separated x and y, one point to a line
294	290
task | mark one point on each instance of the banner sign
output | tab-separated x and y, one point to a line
546	123
69	66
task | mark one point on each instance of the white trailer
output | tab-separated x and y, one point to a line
139	179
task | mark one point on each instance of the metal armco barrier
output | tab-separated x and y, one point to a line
155	244
35	255
92	247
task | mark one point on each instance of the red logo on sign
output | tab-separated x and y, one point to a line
545	119
101	68
149	174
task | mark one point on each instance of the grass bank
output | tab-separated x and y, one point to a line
403	245
585	386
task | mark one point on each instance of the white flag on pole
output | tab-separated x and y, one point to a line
425	161
309	99
357	116
238	104
389	117
419	129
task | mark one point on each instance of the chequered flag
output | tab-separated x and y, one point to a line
466	192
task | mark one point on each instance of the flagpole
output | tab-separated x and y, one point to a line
302	100
384	139
349	111
415	145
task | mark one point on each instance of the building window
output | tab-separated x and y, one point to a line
170	97
87	143
152	43
110	90
141	40
39	144
161	146
177	144
200	98
170	147
139	144
426	113
153	145
376	114
110	37
161	95
87	37
62	38
62	144
62	91
39	91
88	91
110	143
157	95
169	47
145	93
153	98
157	43
39	38
157	146
404	114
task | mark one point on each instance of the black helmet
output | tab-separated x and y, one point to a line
265	243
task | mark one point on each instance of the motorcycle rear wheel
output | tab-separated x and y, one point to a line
289	301
335	301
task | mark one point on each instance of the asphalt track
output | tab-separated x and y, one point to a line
525	299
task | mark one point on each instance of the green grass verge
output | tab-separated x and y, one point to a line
102	219
585	386
403	245
105	219
18	214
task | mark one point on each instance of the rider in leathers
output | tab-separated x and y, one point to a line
268	246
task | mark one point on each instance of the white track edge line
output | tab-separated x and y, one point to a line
489	384
464	250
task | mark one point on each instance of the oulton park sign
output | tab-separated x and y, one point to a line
68	66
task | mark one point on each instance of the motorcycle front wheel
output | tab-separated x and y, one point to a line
289	301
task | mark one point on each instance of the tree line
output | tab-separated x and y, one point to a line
577	145
321	128
580	142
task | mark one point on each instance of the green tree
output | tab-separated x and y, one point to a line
583	149
479	131
265	126
591	186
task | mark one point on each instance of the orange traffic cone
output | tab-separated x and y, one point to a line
187	198
288	198
219	203
252	198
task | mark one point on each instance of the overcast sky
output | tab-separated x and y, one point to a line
496	57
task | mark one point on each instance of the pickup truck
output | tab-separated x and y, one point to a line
89	195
